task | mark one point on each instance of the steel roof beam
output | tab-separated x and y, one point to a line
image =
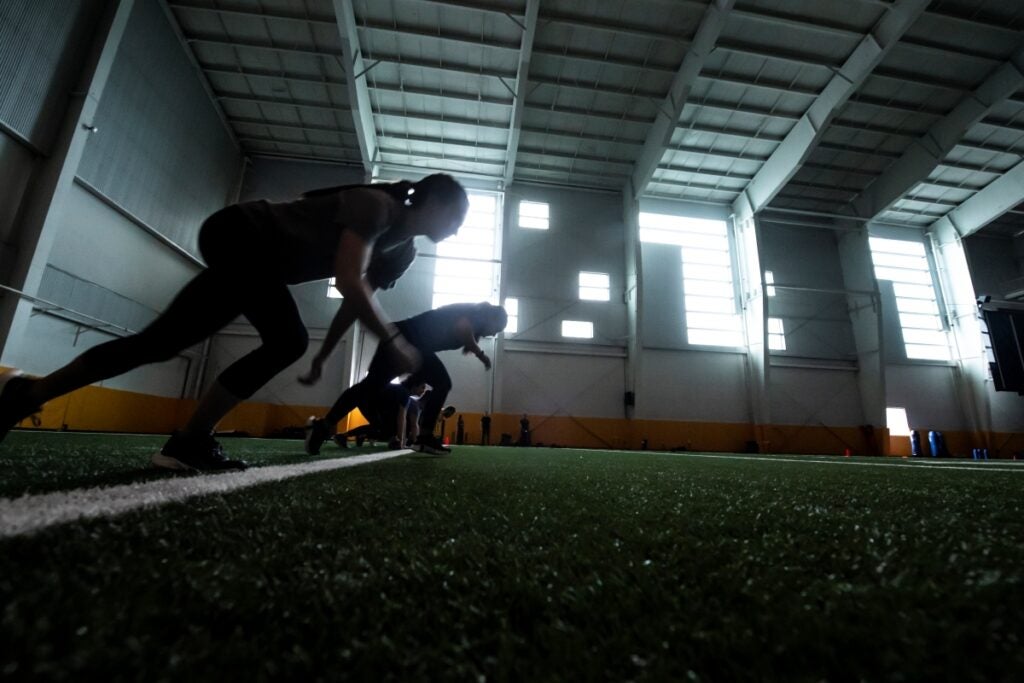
787	158
998	197
659	137
522	83
928	150
355	77
253	45
263	14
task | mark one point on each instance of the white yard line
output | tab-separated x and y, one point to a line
31	513
840	460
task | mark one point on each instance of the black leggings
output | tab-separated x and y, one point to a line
382	371
239	280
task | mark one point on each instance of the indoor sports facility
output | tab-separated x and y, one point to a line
755	409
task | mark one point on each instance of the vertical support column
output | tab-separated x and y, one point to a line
44	207
962	314
754	309
634	308
864	304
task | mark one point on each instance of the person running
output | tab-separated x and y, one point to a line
392	415
443	329
360	234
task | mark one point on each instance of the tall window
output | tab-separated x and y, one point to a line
709	295
896	420
905	263
533	215
512	308
769	283
595	286
776	335
467	264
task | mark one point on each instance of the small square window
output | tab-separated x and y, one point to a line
533	215
332	291
578	329
595	286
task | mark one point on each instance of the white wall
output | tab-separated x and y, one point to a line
692	386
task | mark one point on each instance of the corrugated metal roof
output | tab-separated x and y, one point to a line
441	80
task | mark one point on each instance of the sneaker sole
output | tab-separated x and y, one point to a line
165	462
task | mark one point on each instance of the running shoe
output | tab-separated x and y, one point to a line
317	432
14	407
195	454
428	443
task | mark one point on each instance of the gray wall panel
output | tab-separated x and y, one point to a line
161	151
42	45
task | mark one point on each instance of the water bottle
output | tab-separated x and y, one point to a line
915	443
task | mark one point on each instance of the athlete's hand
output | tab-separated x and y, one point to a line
313	376
482	357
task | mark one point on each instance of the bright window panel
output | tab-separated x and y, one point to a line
713	337
928	337
713	321
709	295
922	306
595	287
332	291
708	304
466	269
920	322
769	279
904	262
905	291
921	352
512	308
533	215
896	420
776	335
578	329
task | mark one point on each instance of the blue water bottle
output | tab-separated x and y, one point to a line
915	443
935	442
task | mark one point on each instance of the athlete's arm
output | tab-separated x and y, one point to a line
343	320
467	337
350	263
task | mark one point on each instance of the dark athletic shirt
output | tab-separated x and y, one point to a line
302	235
435	330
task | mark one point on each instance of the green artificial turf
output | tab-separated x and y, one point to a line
37	462
536	564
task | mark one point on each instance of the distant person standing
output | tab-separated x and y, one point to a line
524	431
485	430
460	431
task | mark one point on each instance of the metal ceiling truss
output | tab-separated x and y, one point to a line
522	84
358	92
1001	195
806	134
929	150
659	136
